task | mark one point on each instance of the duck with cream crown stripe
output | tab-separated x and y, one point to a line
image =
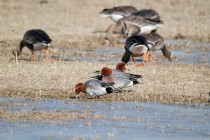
94	88
120	79
34	40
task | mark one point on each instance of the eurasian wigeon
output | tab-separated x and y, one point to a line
34	40
119	78
94	88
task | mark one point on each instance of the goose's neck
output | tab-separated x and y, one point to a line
20	47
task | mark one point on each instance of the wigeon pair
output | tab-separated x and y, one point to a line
117	76
107	81
34	40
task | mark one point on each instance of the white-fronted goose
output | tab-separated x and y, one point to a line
148	14
136	46
156	42
133	25
34	40
116	13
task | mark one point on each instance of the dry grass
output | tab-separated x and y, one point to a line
69	21
165	83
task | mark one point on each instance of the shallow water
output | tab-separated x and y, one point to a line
143	121
183	54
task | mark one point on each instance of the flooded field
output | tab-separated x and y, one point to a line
183	52
105	120
36	98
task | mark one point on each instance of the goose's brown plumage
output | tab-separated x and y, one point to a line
133	25
156	42
149	14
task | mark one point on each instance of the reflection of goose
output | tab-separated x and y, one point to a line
34	40
94	88
156	42
118	12
133	25
148	14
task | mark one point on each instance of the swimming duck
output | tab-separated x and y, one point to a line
120	79
94	88
156	42
149	14
133	25
136	46
116	13
34	40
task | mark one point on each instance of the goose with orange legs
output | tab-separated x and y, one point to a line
94	88
156	42
136	46
34	40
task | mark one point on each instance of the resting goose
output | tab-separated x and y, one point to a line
116	13
34	40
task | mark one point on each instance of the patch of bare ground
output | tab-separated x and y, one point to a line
164	83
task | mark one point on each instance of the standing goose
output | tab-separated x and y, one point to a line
133	25
94	88
136	46
34	40
156	42
116	13
148	14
